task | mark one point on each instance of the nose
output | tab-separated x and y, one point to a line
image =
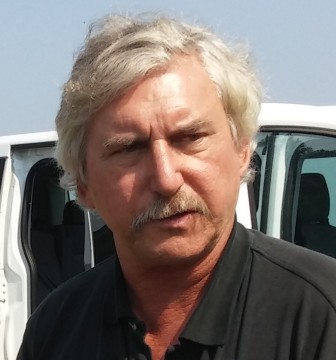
165	173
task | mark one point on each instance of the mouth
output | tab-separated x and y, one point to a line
176	219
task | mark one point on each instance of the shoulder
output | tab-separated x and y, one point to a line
87	292
299	266
71	313
94	280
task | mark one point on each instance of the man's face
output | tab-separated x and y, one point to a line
167	141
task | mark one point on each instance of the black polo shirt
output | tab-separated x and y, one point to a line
267	299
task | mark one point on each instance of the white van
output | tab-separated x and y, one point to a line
45	239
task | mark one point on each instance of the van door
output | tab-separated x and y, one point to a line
13	300
4	152
296	188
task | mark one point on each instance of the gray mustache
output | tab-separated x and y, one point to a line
163	208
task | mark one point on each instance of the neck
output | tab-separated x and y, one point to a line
165	303
163	291
164	297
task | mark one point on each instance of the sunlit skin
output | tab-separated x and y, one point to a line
168	133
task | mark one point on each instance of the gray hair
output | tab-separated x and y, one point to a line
119	51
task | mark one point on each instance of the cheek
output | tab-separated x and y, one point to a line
217	180
117	197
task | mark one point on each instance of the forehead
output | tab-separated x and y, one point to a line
181	90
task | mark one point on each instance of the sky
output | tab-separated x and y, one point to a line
293	43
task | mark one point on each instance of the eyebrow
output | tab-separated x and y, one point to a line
118	140
192	126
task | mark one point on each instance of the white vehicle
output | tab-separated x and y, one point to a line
45	239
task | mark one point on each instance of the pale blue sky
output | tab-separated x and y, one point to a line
293	41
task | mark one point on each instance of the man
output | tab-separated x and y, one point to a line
156	129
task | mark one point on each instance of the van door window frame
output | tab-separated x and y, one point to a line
2	168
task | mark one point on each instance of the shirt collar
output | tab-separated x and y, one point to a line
117	304
212	319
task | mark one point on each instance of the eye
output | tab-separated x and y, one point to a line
190	138
195	137
121	150
133	148
130	148
190	141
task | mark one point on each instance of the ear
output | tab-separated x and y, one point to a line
244	157
84	195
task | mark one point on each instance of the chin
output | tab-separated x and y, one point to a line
174	251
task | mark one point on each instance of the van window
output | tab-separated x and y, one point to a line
296	188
